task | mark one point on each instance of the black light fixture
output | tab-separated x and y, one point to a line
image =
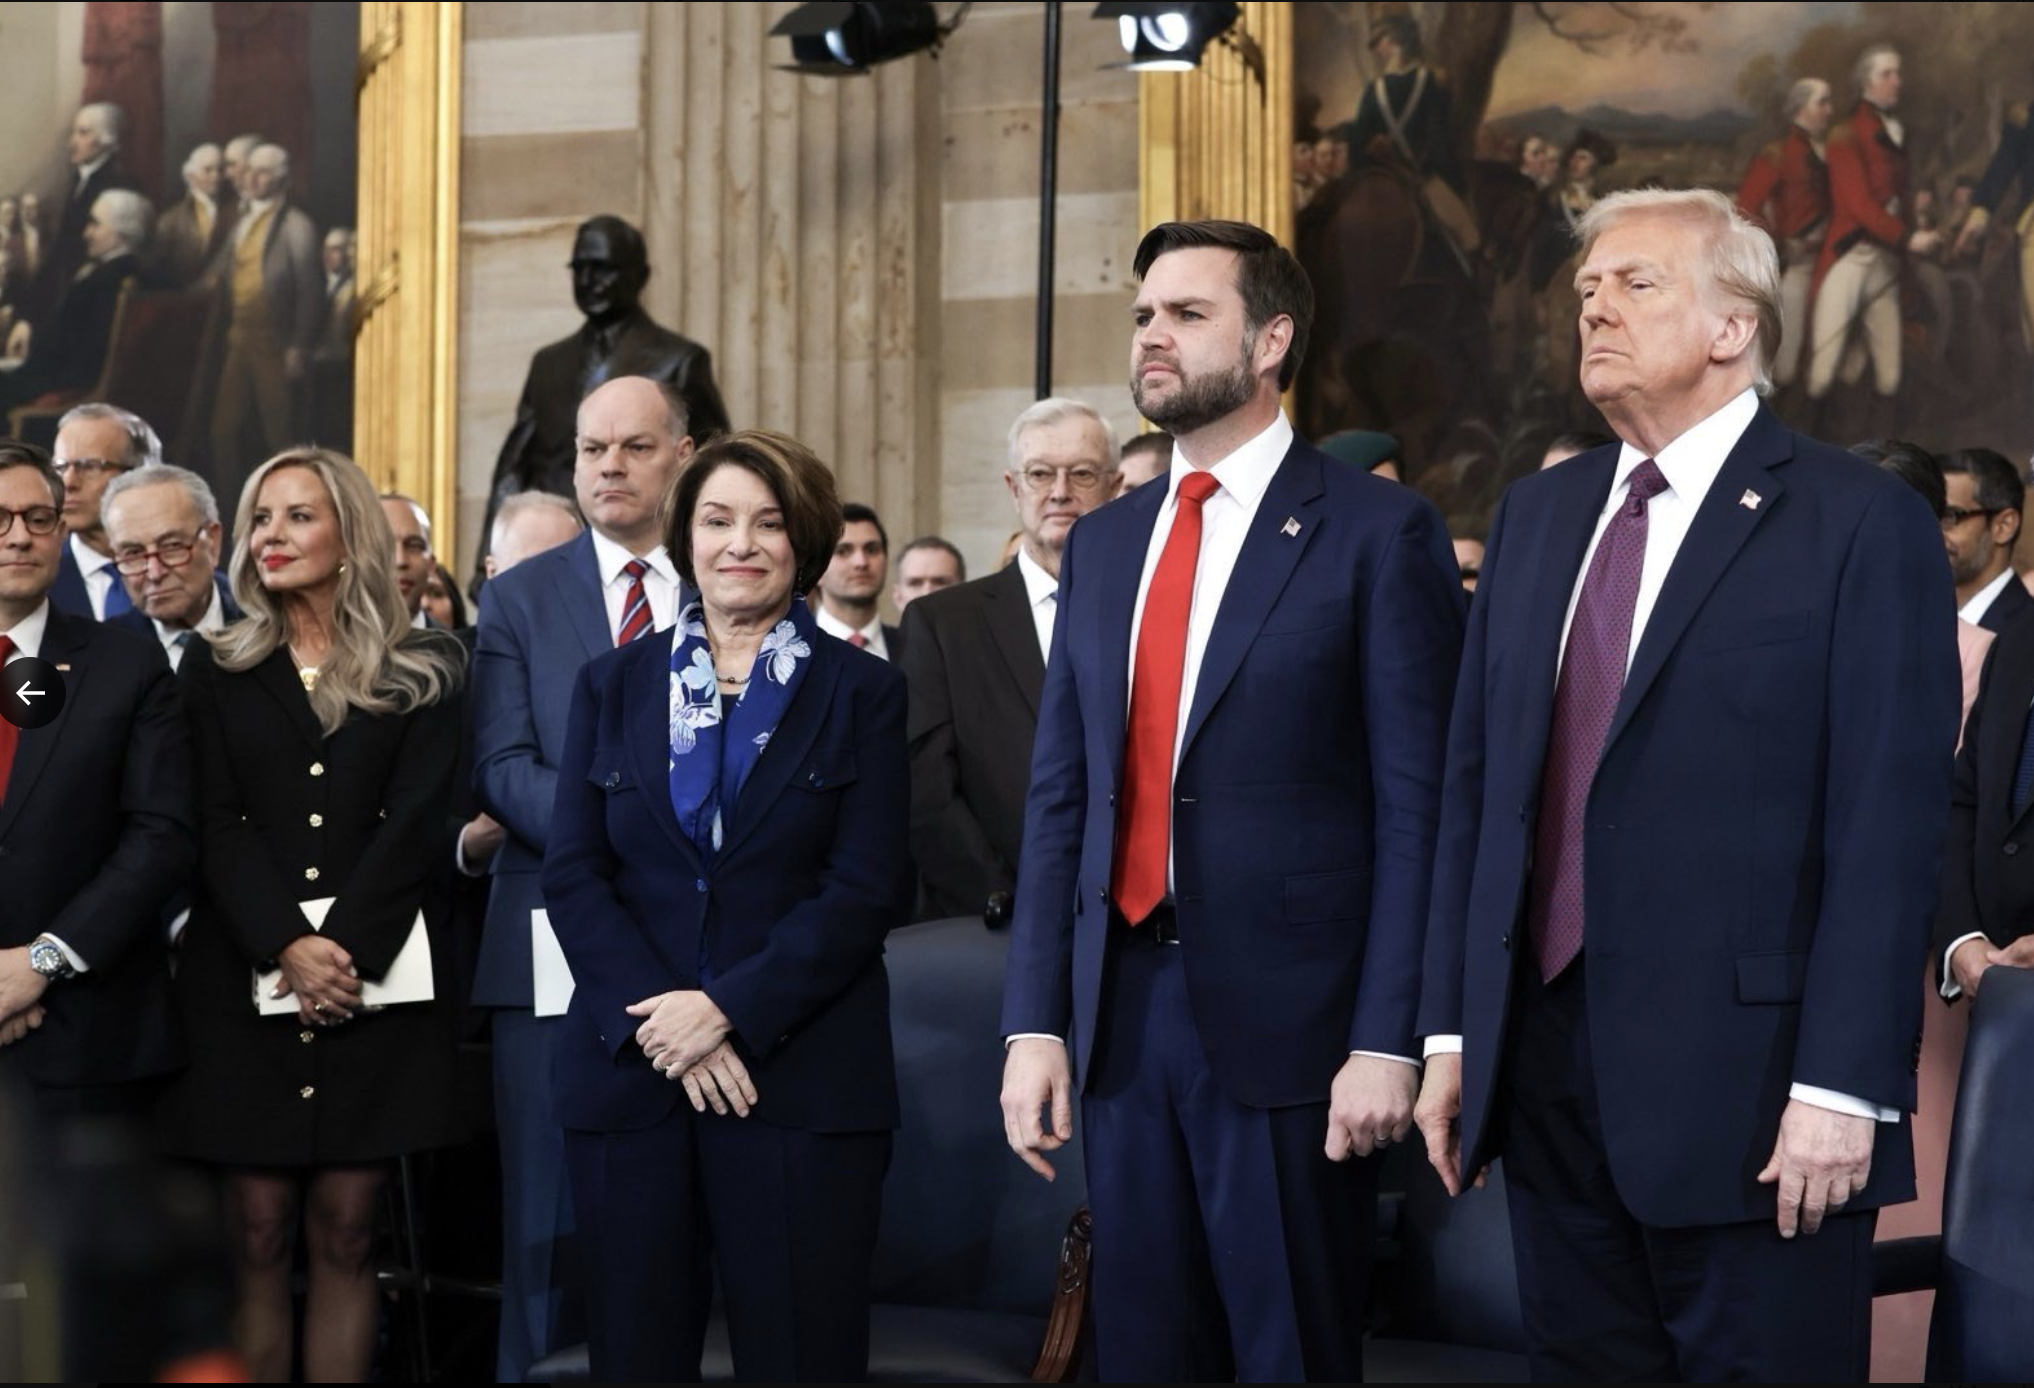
836	39
1166	37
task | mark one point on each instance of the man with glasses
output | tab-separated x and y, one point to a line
974	656
163	526
97	830
94	444
1979	527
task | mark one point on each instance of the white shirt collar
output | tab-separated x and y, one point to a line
213	620
1690	463
205	200
418	620
610	558
89	560
28	631
1981	601
1245	474
85	171
1039	586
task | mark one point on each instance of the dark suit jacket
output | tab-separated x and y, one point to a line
974	668
1763	831
539	623
177	251
69	594
99	826
69	350
786	923
63	256
2012	602
1985	885
137	621
1307	786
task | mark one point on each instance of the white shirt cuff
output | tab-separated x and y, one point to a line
1387	1055
1443	1045
459	857
1843	1103
1950	987
71	956
1030	1036
176	927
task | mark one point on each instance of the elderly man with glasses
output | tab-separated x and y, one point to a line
163	526
94	444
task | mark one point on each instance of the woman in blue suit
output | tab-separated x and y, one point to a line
728	849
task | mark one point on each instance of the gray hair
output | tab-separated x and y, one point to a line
282	158
1800	94
191	159
1057	409
128	214
144	449
240	146
523	502
108	119
1869	59
161	474
1741	262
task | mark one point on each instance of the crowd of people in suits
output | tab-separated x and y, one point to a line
1620	868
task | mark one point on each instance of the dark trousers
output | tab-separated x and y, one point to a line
786	1219
1226	1244
1606	1297
543	1287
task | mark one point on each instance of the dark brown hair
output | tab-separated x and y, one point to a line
802	485
1267	276
14	453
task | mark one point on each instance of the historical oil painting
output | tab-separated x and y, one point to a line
1444	152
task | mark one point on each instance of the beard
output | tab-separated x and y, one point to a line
1199	400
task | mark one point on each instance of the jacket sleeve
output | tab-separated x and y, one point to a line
510	777
1850	193
953	851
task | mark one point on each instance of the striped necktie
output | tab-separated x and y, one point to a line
635	619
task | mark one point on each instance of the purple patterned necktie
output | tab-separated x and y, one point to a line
1585	700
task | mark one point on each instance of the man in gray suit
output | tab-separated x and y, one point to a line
189	232
272	284
540	621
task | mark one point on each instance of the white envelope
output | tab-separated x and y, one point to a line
408	979
550	976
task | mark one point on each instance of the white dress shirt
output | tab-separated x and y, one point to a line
213	620
1981	601
98	571
872	634
27	634
660	583
248	214
1690	464
1041	590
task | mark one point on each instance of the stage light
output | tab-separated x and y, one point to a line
835	39
1168	37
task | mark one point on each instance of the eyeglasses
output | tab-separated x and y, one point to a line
66	466
171	554
40	520
1953	516
1039	479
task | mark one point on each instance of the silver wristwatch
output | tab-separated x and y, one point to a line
46	957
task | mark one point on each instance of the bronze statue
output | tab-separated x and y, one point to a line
609	269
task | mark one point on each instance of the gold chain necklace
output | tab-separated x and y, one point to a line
308	674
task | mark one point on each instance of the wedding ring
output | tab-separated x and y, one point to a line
318	1006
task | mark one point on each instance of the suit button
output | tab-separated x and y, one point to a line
699	884
310	874
307	1091
1506	941
613	780
1112	797
816	779
306	1037
317	821
317	768
2011	849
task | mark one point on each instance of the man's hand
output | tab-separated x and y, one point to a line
1035	1077
1821	1160
680	1029
1439	1116
1973	231
21	987
1968	962
19	1025
480	838
720	1080
2017	955
1924	243
320	972
1370	1105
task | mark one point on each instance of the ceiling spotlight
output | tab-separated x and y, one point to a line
833	40
1168	37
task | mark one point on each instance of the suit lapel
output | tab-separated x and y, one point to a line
1007	611
586	611
2012	693
789	745
279	677
1720	529
646	715
65	640
1271	551
1582	487
1120	560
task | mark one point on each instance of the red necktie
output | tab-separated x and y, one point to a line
1585	701
1144	819
857	640
9	734
635	606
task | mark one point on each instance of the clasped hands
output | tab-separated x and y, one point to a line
321	974
684	1034
21	990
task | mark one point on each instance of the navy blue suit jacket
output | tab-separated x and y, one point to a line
137	621
787	921
1763	831
69	594
539	623
1307	787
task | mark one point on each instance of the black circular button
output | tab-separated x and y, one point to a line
31	693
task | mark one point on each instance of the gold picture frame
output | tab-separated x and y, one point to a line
1217	141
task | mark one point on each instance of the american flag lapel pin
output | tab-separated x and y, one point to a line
1291	526
1750	500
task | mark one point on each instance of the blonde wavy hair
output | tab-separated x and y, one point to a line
378	663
